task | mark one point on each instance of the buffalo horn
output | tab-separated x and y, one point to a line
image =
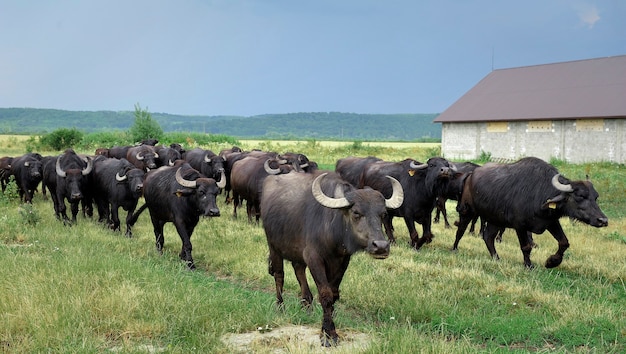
183	182
26	163
156	156
325	200
560	186
87	170
397	197
170	162
207	159
60	172
418	166
120	178
269	170
139	157
222	182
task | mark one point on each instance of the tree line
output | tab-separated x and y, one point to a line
303	125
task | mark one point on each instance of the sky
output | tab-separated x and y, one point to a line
251	57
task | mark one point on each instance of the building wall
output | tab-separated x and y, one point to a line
575	141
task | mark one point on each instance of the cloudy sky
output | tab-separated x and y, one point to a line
249	57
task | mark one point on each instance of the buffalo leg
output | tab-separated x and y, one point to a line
158	233
276	269
300	271
325	292
115	217
388	224
129	226
489	236
185	236
464	221
525	246
74	208
335	278
557	232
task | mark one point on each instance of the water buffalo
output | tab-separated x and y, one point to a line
206	162
452	190
116	183
66	176
318	221
529	196
167	156
143	157
5	171
350	168
178	194
247	176
28	172
422	183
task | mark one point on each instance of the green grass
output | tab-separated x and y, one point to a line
85	288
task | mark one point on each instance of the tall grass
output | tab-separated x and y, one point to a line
85	288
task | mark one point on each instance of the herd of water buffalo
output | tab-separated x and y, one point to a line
315	219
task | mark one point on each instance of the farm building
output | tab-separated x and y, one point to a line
573	111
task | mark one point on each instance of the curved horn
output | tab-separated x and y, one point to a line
183	182
222	182
207	159
560	186
156	156
139	156
26	163
269	170
170	162
120	178
60	172
87	170
418	167
397	197
334	203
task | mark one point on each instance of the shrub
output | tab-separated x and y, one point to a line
61	139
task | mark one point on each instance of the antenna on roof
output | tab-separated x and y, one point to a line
492	55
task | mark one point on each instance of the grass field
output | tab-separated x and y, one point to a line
85	288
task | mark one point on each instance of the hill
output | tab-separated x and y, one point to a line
315	125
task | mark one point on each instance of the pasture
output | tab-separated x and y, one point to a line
85	288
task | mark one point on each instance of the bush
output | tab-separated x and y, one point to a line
61	139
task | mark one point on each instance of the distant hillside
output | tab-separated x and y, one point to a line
317	125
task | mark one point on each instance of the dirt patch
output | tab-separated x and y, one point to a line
294	339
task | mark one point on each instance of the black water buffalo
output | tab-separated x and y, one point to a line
230	156
118	152
167	156
206	162
67	177
143	157
350	168
300	162
318	221
178	194
453	191
28	173
5	171
116	183
247	177
422	183
529	196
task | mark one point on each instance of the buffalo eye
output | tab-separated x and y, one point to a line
356	215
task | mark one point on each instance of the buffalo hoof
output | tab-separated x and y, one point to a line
553	261
328	341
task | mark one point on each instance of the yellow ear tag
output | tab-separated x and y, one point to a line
552	205
411	173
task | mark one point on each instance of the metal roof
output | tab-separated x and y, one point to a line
592	88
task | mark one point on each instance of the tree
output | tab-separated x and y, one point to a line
145	127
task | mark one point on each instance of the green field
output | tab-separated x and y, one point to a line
84	288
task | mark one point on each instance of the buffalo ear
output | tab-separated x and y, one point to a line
552	203
183	192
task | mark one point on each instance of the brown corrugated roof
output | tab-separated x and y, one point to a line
590	88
